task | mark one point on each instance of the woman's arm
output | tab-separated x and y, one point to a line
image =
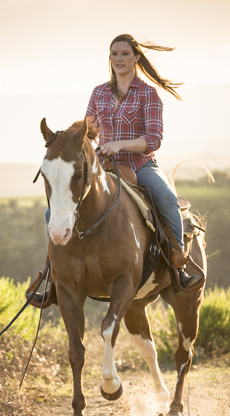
150	139
137	145
153	121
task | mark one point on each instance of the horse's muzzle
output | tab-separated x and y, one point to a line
60	237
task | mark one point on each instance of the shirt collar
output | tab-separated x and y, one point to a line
134	84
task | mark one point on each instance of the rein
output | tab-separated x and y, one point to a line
83	234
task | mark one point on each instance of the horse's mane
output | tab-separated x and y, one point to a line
92	131
75	126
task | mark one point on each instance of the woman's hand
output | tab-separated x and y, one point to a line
110	148
136	145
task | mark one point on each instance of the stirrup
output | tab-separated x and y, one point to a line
50	297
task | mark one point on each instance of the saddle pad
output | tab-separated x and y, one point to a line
139	200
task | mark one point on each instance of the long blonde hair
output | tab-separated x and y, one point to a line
144	65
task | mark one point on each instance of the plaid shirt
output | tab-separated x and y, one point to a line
139	114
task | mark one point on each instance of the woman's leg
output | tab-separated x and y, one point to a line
47	218
167	204
163	196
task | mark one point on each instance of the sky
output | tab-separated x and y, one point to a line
54	52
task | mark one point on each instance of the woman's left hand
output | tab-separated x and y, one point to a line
110	148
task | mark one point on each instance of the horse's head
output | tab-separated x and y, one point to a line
67	179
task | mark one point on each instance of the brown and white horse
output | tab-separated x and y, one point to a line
108	263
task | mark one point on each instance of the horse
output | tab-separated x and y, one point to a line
97	246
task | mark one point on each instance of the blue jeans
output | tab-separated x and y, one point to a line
47	218
163	196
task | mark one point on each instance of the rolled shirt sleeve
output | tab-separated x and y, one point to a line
153	121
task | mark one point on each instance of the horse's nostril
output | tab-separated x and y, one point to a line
68	233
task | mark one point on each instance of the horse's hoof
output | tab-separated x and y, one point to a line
174	412
112	396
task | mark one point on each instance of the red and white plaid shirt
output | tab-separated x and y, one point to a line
139	114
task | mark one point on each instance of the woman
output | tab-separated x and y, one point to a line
128	114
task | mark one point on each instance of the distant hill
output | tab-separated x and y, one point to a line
16	179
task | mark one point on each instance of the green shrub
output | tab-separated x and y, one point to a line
214	331
11	301
213	337
16	343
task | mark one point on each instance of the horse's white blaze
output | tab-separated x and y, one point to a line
148	351
137	241
147	287
59	173
102	179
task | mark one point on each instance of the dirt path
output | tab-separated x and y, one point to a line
207	392
47	389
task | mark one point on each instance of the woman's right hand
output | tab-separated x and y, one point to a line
110	148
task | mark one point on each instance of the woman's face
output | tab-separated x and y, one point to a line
122	58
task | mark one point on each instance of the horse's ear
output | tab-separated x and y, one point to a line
82	131
46	132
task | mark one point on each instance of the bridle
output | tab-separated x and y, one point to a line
83	234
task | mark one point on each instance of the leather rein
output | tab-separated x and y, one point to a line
83	234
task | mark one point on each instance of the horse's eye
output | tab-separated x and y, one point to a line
77	176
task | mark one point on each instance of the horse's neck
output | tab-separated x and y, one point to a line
101	195
102	184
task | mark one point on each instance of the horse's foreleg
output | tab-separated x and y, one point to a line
71	307
187	324
121	299
111	388
137	326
